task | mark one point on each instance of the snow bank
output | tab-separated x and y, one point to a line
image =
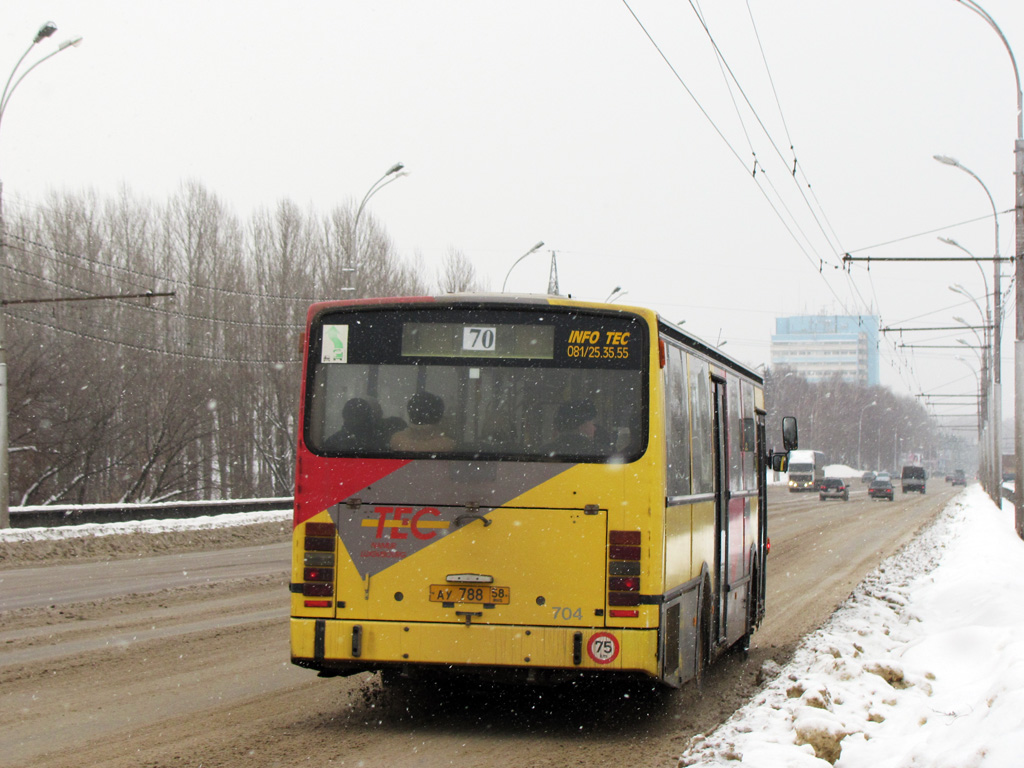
923	665
142	526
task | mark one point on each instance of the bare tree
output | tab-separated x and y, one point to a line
457	273
137	400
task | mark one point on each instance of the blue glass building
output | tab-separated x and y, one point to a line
819	347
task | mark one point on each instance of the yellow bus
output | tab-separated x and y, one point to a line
523	487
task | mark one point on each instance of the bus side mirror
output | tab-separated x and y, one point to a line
789	433
779	462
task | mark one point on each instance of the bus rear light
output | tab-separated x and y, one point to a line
317	589
624	584
318	563
319	544
623	553
624	568
624	549
318	574
320	529
621	614
623	598
318	559
628	538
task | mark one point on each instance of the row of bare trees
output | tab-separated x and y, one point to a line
862	427
192	395
188	396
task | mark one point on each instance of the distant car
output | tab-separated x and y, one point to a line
959	478
833	488
881	489
913	478
884	476
867	477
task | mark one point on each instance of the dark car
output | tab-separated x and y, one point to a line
880	489
867	477
913	478
833	488
959	478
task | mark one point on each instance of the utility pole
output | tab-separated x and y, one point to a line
553	277
45	31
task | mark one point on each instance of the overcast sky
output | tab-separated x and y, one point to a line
562	122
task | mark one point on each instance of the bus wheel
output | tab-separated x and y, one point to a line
743	644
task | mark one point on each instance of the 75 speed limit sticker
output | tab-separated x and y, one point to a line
603	648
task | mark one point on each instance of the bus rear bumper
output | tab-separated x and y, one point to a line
342	647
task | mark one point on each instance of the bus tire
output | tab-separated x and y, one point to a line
743	644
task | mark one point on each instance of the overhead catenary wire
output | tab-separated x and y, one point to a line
813	260
817	261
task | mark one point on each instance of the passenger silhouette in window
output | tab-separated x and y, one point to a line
424	433
360	427
577	431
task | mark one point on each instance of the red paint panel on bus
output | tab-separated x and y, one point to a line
321	483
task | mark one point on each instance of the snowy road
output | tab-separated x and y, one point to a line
199	674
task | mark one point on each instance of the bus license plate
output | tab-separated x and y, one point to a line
458	593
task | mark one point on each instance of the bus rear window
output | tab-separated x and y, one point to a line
537	385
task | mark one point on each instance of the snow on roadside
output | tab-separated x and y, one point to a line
204	523
922	665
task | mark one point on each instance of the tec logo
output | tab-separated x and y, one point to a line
401	521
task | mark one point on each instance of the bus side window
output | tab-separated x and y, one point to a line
678	426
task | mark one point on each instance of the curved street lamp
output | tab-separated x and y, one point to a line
392	174
989	409
9	88
5	98
994	404
617	294
535	248
1018	349
957	288
984	448
984	279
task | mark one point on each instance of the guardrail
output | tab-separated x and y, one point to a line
50	516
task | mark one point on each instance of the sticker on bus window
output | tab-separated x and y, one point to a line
335	344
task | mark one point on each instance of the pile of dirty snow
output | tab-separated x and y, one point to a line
923	664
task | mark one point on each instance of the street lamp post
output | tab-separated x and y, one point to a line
535	248
392	174
5	98
990	481
1018	347
984	448
995	406
989	393
617	294
983	404
860	432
